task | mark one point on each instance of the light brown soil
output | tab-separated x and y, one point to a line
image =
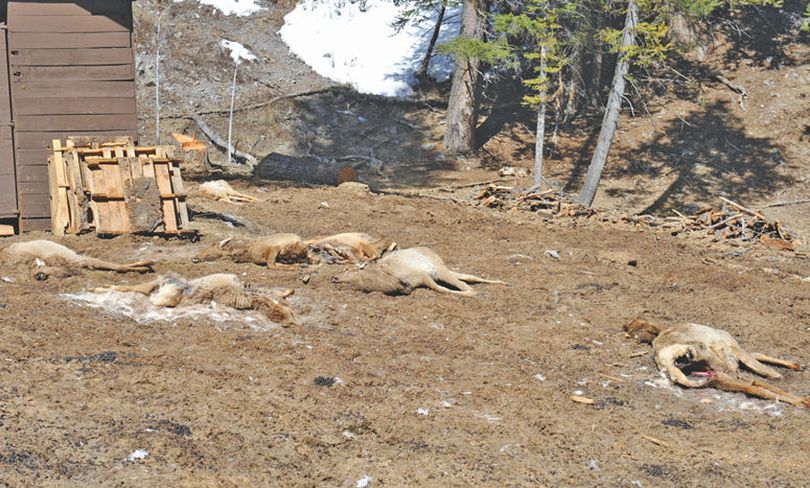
231	406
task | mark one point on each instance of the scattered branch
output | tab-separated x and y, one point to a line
220	143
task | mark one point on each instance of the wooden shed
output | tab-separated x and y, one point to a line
67	68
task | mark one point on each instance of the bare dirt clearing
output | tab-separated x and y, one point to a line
425	389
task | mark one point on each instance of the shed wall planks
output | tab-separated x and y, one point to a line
8	181
72	74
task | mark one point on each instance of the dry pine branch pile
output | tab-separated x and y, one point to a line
732	222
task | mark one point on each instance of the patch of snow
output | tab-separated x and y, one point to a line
722	401
364	482
351	41
241	8
137	455
239	52
139	309
490	418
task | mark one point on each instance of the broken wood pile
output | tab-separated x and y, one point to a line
731	222
114	187
548	202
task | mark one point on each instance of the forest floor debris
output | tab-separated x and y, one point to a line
731	222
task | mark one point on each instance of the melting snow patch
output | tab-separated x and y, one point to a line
241	8
364	482
138	308
137	455
721	400
354	42
239	52
490	418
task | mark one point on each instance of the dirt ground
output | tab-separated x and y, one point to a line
429	390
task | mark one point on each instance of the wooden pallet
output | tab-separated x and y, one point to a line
96	186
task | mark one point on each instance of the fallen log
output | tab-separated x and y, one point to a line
305	169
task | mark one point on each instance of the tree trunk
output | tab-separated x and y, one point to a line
612	110
462	107
308	170
570	100
422	75
541	126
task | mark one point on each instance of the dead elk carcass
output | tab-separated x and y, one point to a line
222	191
699	356
400	272
352	247
225	289
276	250
48	258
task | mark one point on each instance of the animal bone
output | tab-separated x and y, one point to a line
353	247
698	356
52	259
226	289
276	250
221	191
400	272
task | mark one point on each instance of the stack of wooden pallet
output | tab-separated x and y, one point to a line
114	187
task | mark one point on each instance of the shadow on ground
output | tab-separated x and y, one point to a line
711	155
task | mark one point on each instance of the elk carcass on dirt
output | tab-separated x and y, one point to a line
224	289
699	356
222	191
400	272
352	247
276	250
51	259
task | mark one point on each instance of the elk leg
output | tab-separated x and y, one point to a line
758	389
142	266
751	363
476	279
241	197
428	282
144	288
449	278
764	358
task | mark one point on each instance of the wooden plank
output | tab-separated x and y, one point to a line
69	8
32	224
8	195
42	139
6	230
75	89
34	123
45	40
70	23
114	72
179	188
75	106
33	173
71	57
58	226
33	188
164	182
8	187
35	207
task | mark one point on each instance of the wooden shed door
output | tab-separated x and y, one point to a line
72	74
8	180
